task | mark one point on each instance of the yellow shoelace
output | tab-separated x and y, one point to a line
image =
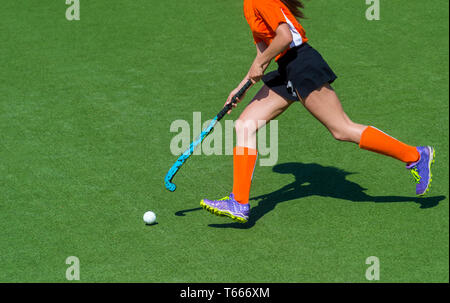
415	174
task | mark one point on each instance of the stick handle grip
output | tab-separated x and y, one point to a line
234	99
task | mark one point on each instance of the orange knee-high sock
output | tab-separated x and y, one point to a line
244	160
377	141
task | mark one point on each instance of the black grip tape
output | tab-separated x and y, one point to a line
234	99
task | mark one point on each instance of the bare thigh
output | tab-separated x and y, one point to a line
325	106
264	107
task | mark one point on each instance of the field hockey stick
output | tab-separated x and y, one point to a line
180	161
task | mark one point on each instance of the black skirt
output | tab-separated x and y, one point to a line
302	69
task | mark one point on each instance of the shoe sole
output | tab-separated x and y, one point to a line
222	213
430	163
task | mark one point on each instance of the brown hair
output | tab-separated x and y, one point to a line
295	7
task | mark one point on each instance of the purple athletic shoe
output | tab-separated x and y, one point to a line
229	207
421	170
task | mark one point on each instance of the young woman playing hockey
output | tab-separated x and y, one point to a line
302	76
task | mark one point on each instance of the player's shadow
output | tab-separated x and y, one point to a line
312	179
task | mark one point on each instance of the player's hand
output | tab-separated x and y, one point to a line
234	92
256	71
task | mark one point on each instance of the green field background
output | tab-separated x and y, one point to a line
85	113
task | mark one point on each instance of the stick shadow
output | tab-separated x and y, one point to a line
312	179
182	213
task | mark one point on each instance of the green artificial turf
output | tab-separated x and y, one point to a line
85	113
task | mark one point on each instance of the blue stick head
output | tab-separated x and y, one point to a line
170	186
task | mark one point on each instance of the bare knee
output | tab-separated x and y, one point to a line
245	127
350	132
340	135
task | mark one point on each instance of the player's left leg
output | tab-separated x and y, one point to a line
264	107
325	106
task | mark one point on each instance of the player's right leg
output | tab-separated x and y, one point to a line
324	104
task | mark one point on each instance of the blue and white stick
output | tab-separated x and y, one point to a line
180	161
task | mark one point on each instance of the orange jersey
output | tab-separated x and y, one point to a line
264	16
